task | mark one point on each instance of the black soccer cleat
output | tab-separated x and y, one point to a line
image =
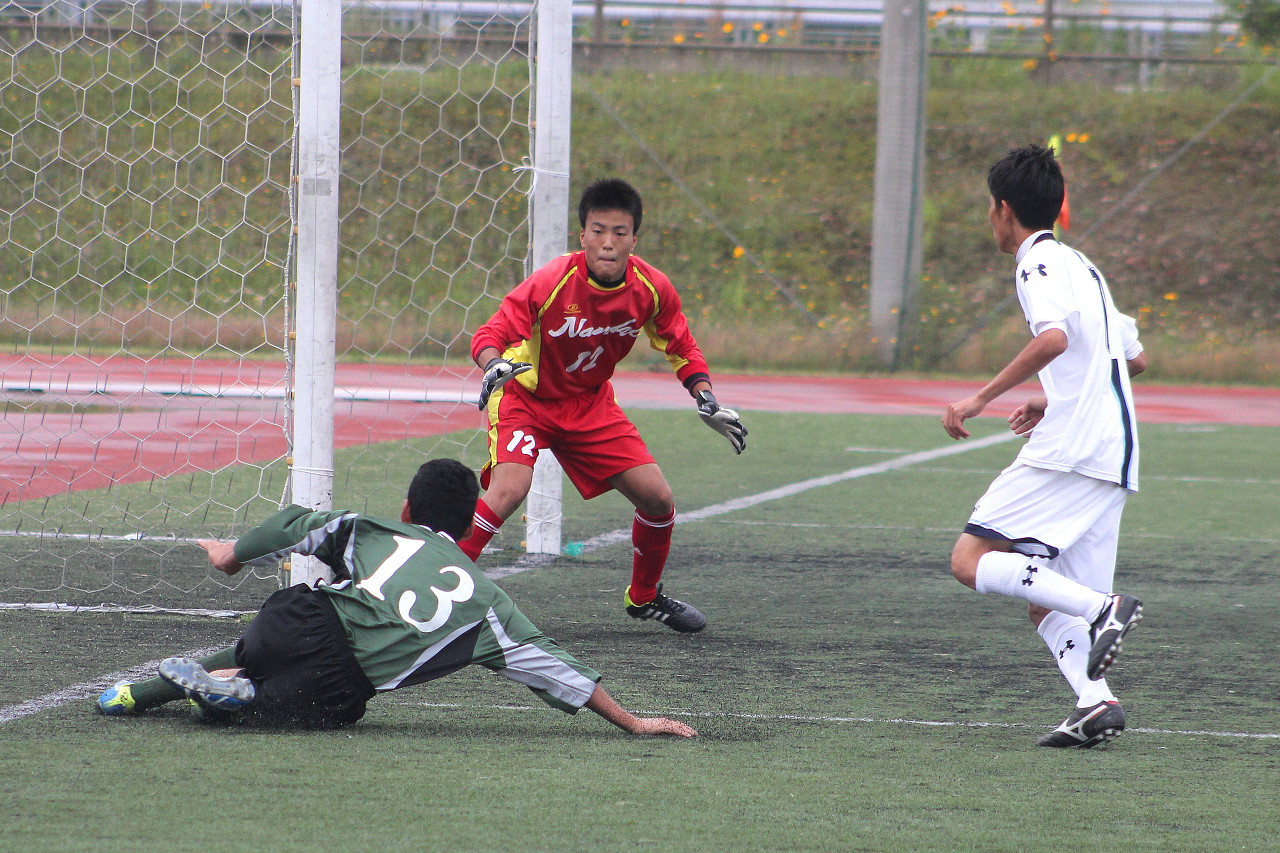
1116	619
1086	727
676	615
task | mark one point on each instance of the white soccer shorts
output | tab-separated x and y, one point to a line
1070	519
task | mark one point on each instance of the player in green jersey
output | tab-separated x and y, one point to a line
405	606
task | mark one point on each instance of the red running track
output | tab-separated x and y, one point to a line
136	419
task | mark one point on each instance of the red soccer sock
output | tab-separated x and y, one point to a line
486	523
651	538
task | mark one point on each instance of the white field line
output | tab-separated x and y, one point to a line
896	721
89	689
1146	478
952	531
906	461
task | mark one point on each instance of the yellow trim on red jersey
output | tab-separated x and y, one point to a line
656	341
530	350
491	441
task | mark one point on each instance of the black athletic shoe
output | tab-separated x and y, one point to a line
1086	727
676	615
1116	619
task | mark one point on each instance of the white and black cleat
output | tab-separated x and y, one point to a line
1086	727
1119	616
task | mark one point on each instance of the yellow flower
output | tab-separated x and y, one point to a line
1171	297
738	251
679	38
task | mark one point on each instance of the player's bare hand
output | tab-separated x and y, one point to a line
1026	417
958	413
222	555
662	726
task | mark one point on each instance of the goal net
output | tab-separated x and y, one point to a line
150	207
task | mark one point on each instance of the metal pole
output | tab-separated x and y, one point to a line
553	64
897	228
315	337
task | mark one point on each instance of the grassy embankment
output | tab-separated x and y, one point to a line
135	219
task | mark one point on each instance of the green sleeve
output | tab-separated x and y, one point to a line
295	530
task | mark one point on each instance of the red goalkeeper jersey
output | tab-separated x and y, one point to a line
574	331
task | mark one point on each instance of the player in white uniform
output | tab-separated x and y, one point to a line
1046	530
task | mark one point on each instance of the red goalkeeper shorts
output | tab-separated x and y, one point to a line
589	434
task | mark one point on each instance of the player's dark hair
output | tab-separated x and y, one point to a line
443	496
1030	180
611	194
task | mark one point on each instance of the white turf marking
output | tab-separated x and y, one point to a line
58	607
88	689
895	721
595	543
1146	478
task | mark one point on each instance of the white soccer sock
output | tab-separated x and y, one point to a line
1068	638
1029	579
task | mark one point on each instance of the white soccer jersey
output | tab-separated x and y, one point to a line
1089	426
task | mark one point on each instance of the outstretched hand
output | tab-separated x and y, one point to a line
662	726
222	555
606	706
722	420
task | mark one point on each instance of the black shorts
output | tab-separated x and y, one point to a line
295	651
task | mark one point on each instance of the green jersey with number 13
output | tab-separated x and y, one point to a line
414	607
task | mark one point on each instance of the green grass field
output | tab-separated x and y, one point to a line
850	695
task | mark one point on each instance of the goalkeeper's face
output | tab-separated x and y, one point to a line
608	239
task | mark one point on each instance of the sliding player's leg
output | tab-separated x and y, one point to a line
135	697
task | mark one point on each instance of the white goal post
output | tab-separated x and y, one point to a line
550	215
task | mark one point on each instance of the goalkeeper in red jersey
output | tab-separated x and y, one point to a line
559	335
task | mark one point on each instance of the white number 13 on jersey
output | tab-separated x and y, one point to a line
445	599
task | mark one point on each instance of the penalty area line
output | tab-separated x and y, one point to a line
613	537
89	689
891	721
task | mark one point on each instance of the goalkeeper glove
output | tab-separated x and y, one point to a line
498	372
722	420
